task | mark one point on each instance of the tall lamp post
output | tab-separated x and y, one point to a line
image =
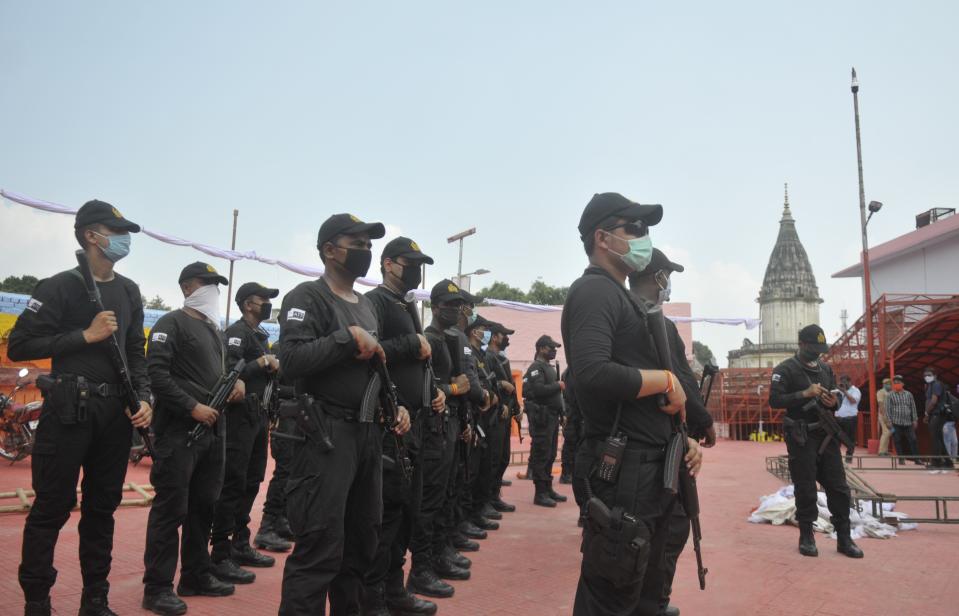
459	237
867	282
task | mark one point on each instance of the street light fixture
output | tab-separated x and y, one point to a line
478	272
874	206
459	237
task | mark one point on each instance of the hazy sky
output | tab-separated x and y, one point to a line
507	116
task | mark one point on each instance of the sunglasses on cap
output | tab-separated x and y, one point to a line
636	229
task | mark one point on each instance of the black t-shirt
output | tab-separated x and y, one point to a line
56	315
541	385
788	381
244	342
398	336
317	349
185	359
607	342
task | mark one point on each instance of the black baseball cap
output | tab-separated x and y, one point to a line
445	291
545	340
604	206
347	224
815	337
469	298
405	247
480	322
254	288
499	328
660	261
203	271
101	212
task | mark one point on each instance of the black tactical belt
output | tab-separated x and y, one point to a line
339	412
636	452
104	390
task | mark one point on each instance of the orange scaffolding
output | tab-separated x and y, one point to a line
911	332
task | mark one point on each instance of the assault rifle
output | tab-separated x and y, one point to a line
385	391
218	399
130	396
455	346
677	477
828	423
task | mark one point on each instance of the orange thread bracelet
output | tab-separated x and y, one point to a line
453	388
669	382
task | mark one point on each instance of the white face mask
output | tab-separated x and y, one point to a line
929	378
206	301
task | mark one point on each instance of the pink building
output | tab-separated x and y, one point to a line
531	325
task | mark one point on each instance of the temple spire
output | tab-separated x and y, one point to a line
787	214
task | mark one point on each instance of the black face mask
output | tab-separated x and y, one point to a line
448	316
551	354
266	311
357	261
808	356
504	344
412	277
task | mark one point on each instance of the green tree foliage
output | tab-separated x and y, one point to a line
155	304
501	290
703	354
19	284
539	293
546	295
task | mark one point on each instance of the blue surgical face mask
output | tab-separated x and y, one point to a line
487	336
470	319
640	253
118	246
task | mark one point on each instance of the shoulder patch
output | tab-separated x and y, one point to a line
534	373
467	351
158	337
234	342
777	377
295	314
34	305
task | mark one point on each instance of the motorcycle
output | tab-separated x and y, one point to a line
18	422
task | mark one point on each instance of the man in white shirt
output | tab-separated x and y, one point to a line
848	413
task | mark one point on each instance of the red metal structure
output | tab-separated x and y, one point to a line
910	332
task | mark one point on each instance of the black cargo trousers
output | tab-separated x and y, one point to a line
639	490
100	445
335	508
246	438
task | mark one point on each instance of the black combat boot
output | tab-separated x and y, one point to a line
402	602
93	602
471	531
542	497
845	544
374	601
484	524
445	569
426	582
282	527
244	554
668	610
502	506
807	540
205	585
463	544
164	603
268	539
490	513
227	570
505	483
553	494
566	479
456	558
37	608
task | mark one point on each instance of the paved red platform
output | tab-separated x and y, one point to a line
531	565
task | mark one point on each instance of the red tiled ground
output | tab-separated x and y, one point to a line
530	566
